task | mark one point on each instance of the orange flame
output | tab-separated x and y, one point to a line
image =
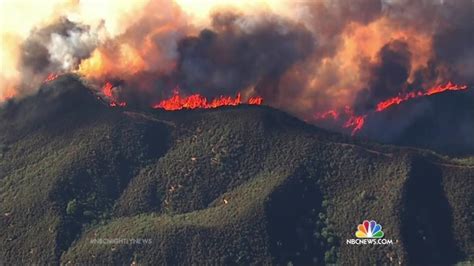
177	102
257	100
107	91
119	104
51	77
401	98
8	94
356	122
326	115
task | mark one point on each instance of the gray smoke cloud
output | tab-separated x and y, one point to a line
56	48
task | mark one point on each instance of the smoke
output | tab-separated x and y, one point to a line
453	44
241	52
305	57
235	53
59	47
387	77
25	25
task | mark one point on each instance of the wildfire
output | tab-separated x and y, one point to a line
255	100
356	122
178	102
107	91
51	77
401	98
326	115
351	120
8	94
119	104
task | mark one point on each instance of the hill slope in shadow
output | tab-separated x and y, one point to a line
235	185
441	122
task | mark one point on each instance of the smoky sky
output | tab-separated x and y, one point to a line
328	19
451	24
227	58
233	54
454	47
388	77
238	51
297	63
270	55
39	55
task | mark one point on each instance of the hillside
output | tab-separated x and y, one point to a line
442	123
234	185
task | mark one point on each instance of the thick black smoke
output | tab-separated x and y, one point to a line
387	78
229	58
451	24
441	122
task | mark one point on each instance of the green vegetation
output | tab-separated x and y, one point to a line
238	185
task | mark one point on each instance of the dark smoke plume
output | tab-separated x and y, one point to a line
388	77
228	58
236	53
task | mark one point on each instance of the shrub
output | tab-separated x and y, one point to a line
72	207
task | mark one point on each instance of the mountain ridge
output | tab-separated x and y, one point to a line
243	184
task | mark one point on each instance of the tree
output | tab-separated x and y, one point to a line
72	207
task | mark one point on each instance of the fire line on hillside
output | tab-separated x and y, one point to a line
356	122
350	119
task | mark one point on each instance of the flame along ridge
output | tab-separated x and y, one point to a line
197	101
356	122
178	102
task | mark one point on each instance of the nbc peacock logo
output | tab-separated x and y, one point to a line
369	230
